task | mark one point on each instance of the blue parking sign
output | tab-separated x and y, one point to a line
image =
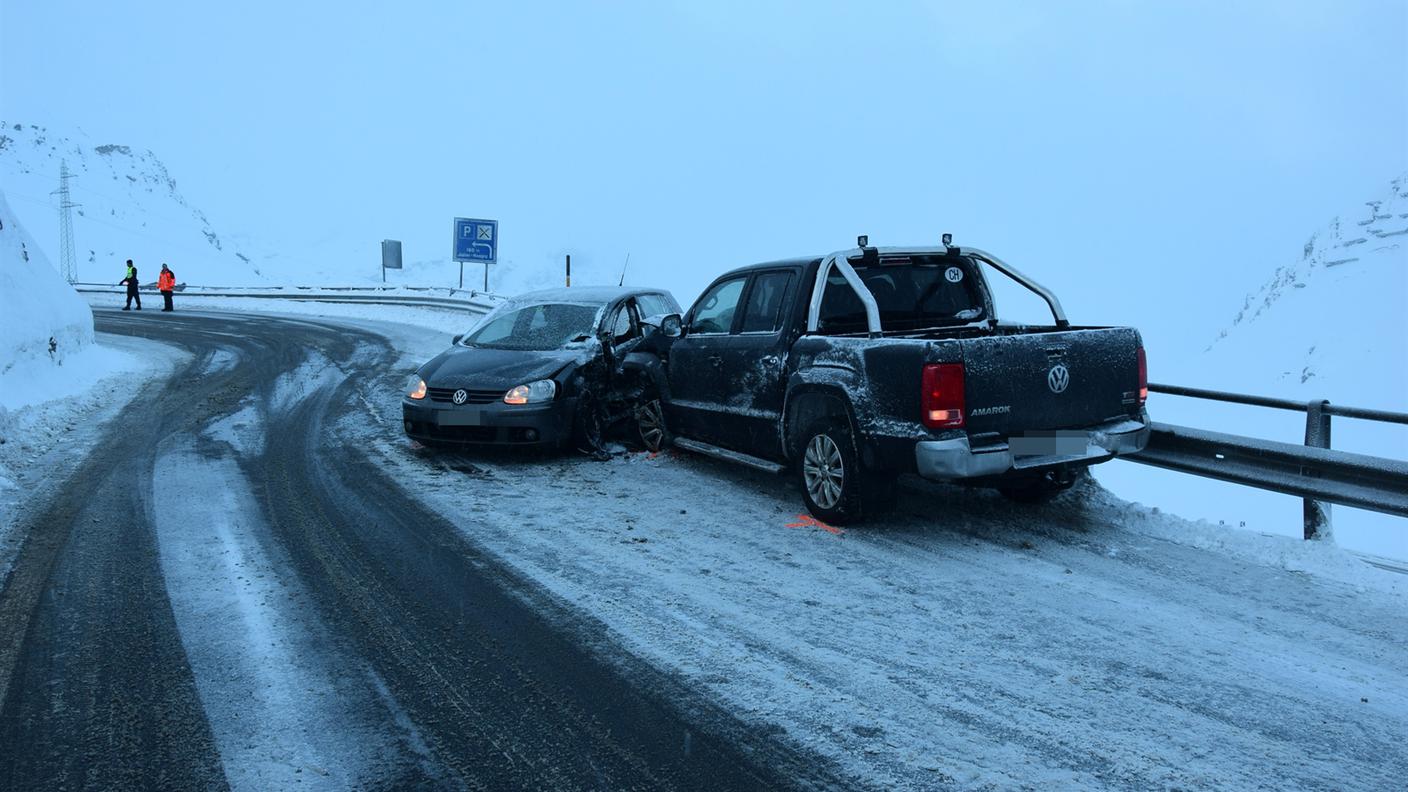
476	240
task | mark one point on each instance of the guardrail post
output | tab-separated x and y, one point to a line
1317	435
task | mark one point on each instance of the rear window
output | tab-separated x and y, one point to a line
913	293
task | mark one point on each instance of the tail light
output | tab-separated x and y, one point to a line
1143	378
941	401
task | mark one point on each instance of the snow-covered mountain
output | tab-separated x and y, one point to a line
1330	324
130	207
1333	324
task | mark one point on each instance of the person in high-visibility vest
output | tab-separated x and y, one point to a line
166	284
131	283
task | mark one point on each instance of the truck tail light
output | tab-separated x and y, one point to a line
941	401
1143	378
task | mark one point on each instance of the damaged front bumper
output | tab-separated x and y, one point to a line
957	459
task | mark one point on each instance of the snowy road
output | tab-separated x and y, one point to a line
228	595
257	583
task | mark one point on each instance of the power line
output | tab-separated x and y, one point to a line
67	265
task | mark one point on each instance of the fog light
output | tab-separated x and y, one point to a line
530	435
409	426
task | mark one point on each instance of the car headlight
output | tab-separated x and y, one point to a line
540	391
417	389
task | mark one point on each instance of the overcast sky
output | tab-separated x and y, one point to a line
1164	146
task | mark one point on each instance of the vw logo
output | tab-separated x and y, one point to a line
1058	378
461	396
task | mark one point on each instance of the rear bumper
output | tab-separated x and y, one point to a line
956	459
489	424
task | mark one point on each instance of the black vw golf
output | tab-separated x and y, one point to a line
553	367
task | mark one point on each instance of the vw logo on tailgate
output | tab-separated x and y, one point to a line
1058	378
461	396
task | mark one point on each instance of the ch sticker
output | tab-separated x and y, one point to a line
953	274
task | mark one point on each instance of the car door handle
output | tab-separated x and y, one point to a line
771	360
716	360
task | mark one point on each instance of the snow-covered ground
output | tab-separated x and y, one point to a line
42	443
962	640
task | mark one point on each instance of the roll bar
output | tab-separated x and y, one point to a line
1057	312
840	262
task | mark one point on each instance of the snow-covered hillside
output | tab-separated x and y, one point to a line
130	207
1331	325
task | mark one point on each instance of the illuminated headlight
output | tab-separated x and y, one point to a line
540	391
416	388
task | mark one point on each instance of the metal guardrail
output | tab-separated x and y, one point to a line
1312	471
455	299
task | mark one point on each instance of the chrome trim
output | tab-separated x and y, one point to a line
956	459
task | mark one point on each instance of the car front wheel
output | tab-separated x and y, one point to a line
650	425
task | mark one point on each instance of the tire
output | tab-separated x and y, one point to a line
835	487
587	427
650	424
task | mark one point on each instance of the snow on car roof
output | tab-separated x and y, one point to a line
595	295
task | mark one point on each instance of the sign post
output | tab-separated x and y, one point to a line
390	256
476	240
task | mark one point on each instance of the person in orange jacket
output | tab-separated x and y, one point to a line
166	284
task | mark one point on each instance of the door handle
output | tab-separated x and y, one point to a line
771	360
716	360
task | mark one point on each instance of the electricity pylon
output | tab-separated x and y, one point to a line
67	265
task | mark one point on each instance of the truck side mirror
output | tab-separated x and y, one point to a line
456	339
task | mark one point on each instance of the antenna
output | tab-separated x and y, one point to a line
67	266
622	282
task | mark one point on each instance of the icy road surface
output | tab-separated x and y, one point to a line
257	583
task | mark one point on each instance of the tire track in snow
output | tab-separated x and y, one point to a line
287	704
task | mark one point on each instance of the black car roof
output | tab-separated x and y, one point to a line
779	264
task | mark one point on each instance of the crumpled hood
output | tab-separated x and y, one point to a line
487	369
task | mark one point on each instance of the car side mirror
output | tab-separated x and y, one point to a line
669	325
456	339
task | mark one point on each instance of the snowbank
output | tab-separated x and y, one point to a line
44	324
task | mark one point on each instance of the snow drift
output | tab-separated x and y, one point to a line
43	321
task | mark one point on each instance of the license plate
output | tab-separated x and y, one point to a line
466	417
1059	443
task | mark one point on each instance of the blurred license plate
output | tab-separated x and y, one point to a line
1049	444
467	417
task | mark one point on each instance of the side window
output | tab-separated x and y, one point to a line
763	313
654	305
623	326
714	311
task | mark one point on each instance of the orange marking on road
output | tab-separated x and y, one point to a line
808	521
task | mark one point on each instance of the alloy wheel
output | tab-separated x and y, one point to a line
823	471
650	420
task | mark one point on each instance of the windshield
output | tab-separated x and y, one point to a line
536	327
913	294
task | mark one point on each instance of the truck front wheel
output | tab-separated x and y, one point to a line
835	487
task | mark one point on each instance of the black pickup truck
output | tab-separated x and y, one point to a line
867	363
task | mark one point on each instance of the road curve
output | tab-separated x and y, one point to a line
227	594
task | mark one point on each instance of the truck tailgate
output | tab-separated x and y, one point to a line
1050	380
